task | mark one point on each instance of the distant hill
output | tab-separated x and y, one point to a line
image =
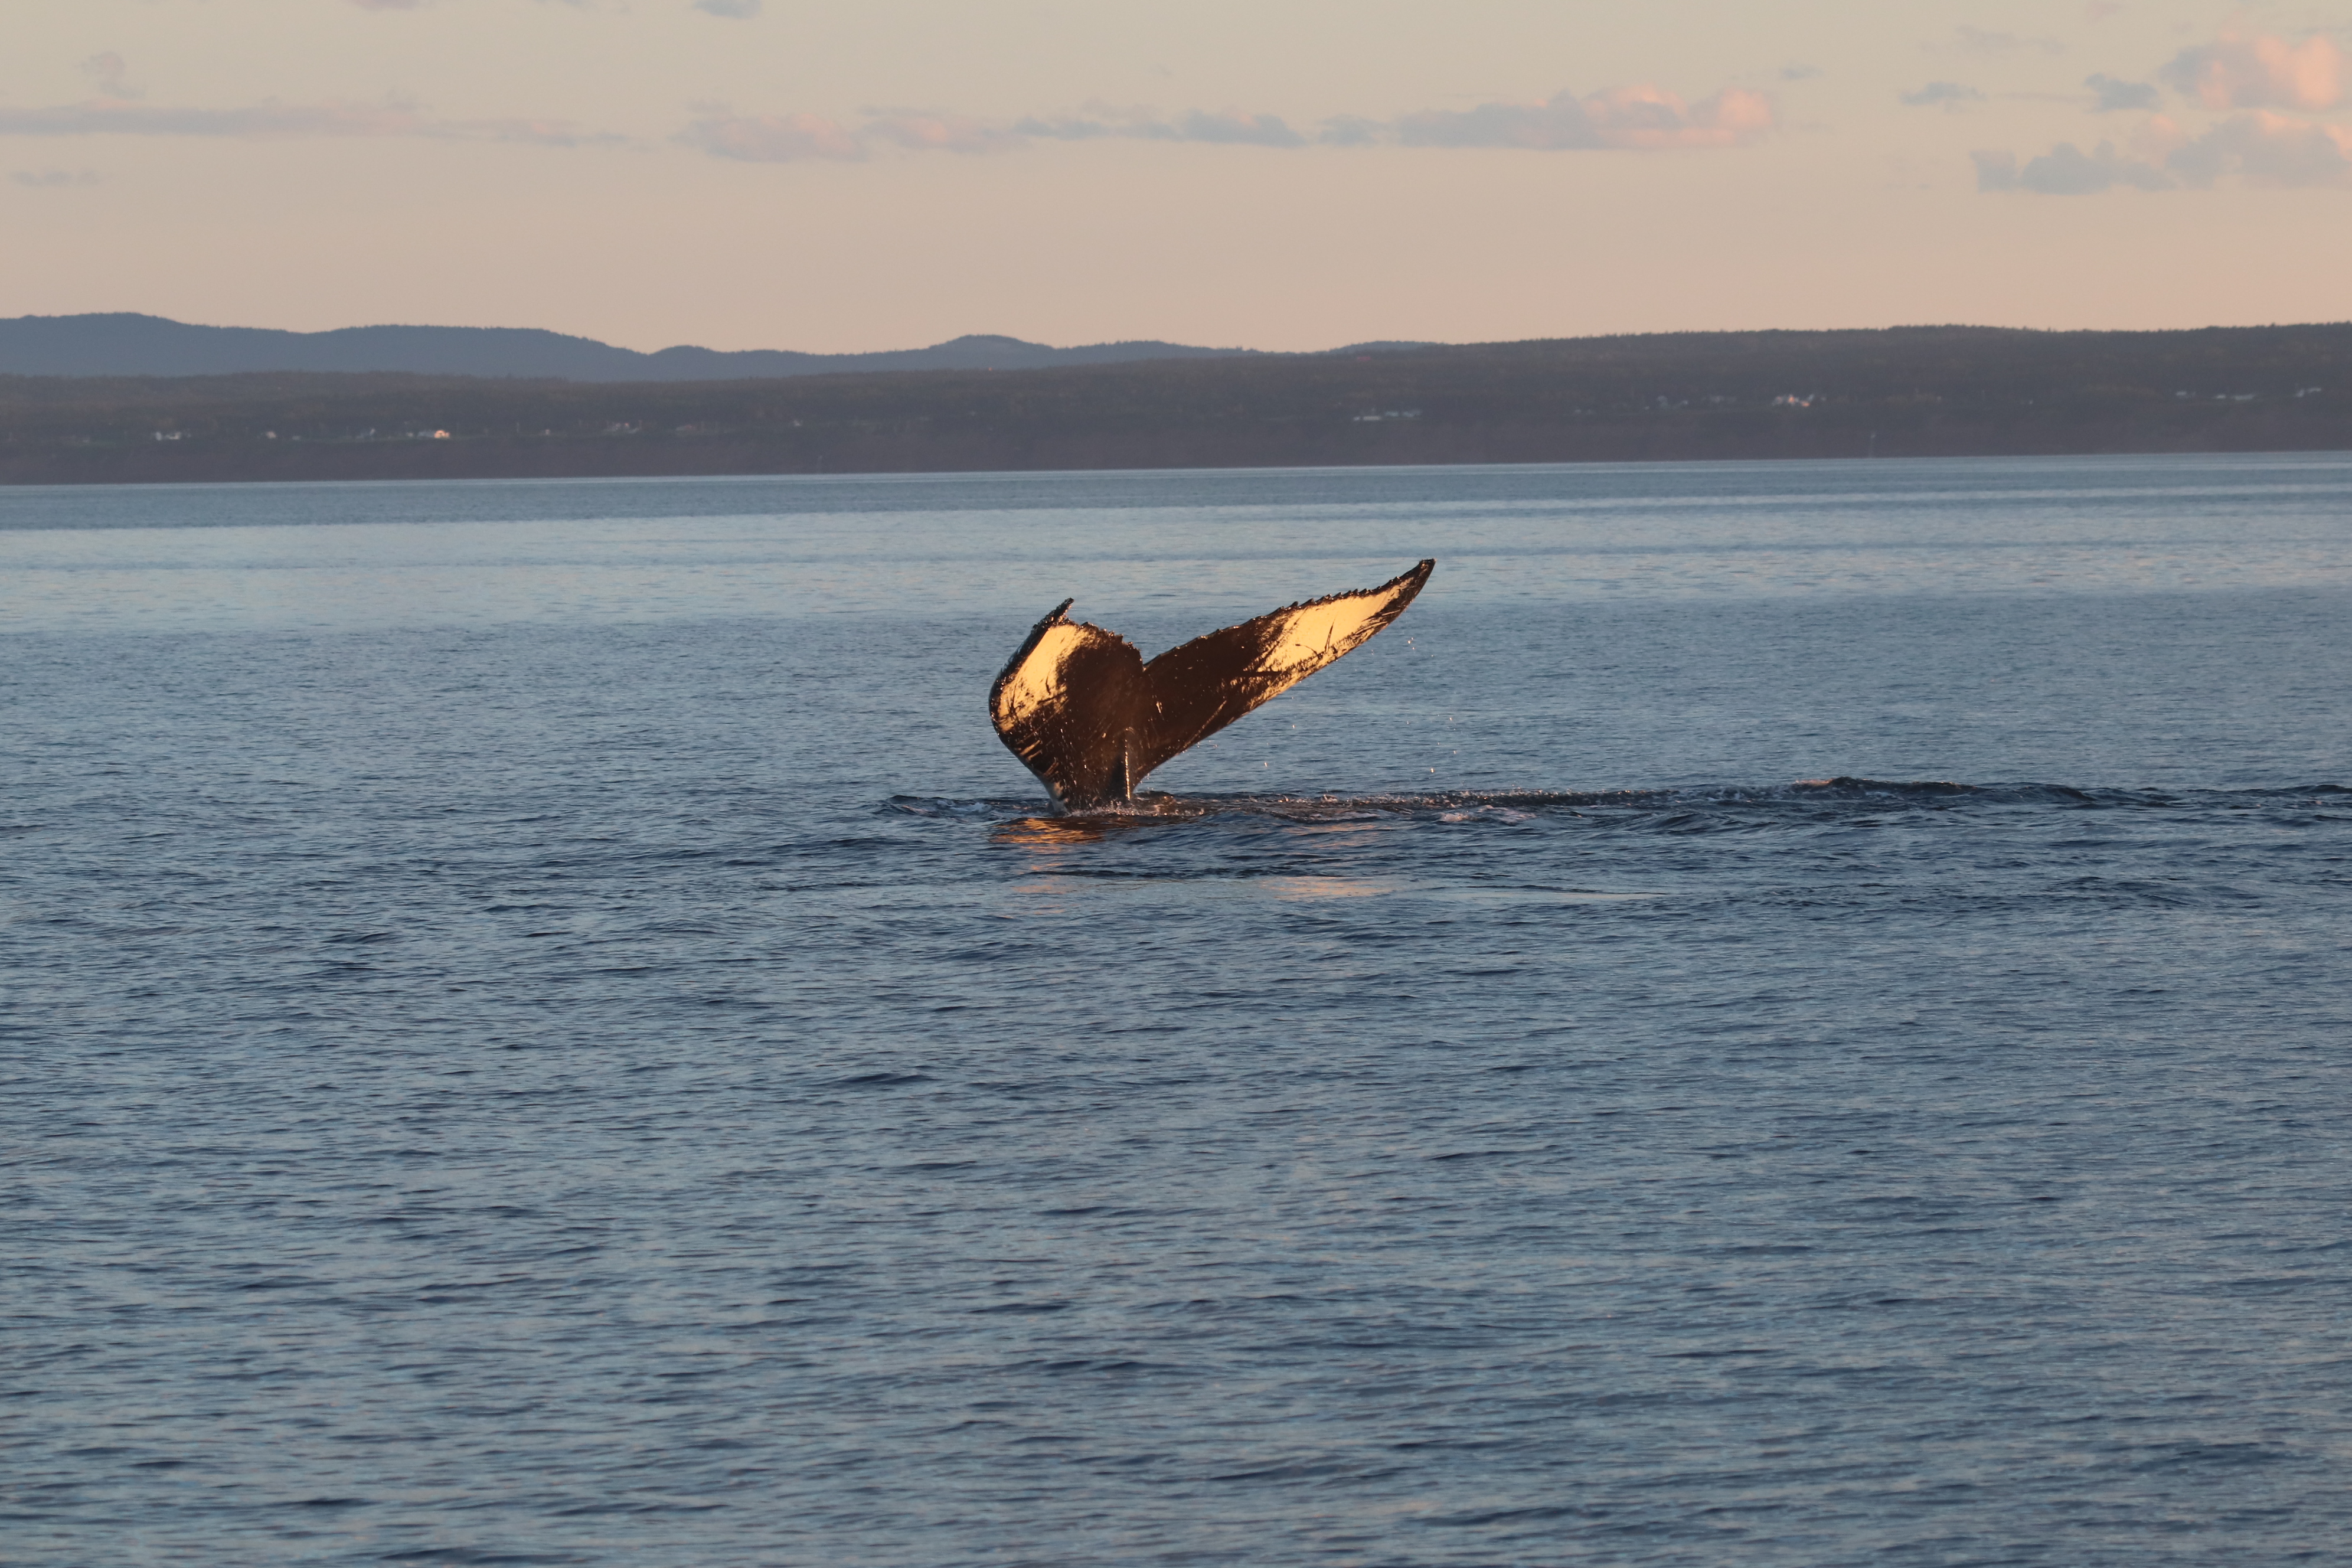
124	343
1903	392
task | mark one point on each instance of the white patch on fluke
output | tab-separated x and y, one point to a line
1315	635
1039	679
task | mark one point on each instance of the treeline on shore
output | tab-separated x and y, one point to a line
1904	391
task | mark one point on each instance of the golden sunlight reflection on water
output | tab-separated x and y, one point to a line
1056	883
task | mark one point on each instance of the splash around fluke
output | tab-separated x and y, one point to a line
1083	711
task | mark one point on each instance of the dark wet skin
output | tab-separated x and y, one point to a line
1083	711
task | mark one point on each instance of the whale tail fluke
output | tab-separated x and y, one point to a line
1083	711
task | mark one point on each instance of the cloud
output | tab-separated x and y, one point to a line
40	179
1950	94
1639	118
2115	94
2265	149
1798	70
775	139
1633	118
1552	126
1624	119
1351	130
2067	171
742	10
107	71
2263	71
1070	128
935	132
278	121
1227	128
2256	149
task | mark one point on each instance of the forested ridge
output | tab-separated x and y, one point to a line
1914	391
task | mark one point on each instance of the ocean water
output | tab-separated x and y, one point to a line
1784	1014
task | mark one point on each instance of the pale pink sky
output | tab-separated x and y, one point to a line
835	177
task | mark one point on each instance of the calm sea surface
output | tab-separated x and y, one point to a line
540	1026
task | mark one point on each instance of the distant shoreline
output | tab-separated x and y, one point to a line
1905	393
322	463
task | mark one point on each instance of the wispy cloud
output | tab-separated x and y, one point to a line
1353	130
1555	125
280	120
108	70
1230	128
52	179
742	10
1950	94
2259	148
1638	119
2261	72
2254	74
775	138
941	132
1643	118
2067	171
2115	94
2266	149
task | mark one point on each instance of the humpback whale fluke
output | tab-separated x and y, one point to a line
1080	706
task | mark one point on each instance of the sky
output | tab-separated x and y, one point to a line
845	175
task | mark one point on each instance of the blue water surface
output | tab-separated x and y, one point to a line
1785	1015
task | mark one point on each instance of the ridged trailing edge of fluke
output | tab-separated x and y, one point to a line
1083	711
